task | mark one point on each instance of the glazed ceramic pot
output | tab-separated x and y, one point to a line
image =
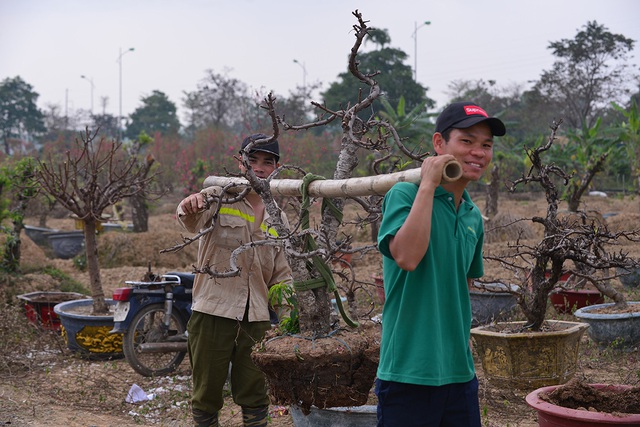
39	235
66	244
629	278
353	416
491	303
527	360
621	330
87	334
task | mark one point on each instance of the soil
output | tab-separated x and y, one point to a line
46	385
577	394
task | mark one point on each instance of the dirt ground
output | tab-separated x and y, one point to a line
49	386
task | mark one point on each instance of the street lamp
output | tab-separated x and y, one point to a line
120	88
415	47
304	75
90	80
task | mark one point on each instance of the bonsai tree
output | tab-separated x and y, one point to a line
86	181
575	244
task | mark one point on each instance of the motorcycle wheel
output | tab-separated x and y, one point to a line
146	327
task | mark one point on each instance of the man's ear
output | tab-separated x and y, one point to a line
438	141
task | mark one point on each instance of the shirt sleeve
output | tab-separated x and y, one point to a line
395	210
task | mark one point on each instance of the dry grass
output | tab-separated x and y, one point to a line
42	383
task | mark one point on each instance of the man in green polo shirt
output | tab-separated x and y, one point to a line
431	239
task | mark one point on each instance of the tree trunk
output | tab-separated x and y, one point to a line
578	187
93	268
139	214
42	220
491	207
12	249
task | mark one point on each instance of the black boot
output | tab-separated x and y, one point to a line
204	419
255	417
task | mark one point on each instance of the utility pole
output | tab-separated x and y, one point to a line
120	89
415	47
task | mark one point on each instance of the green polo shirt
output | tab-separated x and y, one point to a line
427	313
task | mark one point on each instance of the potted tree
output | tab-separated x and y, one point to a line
86	180
326	366
538	266
577	404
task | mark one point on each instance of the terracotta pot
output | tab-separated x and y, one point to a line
528	360
550	415
569	300
378	280
621	330
563	277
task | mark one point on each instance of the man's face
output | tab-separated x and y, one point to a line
262	164
472	147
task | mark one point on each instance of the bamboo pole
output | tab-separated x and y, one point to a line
351	187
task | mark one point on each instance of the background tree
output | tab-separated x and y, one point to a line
629	135
138	201
585	154
107	123
218	102
394	75
414	127
591	71
156	115
19	113
86	181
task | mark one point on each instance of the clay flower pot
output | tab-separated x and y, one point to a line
569	300
550	415
39	307
378	280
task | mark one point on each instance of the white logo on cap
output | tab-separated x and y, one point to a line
470	110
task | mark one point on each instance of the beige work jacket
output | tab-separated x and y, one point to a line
260	267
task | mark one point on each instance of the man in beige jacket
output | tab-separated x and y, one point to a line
231	314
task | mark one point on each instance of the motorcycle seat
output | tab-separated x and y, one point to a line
186	279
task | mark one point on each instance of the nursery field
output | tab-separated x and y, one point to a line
43	384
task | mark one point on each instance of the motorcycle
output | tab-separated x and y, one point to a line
153	314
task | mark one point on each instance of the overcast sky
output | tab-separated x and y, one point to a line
51	43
